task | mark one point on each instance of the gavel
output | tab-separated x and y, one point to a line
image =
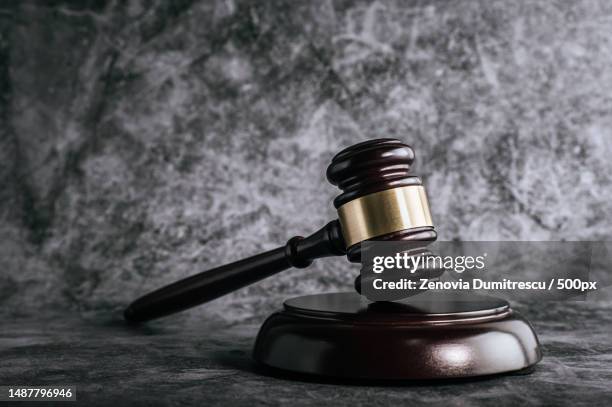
379	201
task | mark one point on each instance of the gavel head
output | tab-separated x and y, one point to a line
379	200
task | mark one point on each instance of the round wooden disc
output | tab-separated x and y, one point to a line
429	336
426	305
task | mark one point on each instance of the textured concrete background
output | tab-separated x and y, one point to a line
144	141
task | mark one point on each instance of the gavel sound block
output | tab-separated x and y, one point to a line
343	335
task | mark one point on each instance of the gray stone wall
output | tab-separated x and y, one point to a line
144	141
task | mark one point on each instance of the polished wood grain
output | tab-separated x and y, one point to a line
430	336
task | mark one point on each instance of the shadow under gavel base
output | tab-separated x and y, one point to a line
429	336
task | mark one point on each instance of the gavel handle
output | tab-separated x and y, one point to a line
206	286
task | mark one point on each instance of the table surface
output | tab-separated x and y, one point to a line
197	361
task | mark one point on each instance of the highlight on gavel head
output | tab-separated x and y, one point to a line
379	200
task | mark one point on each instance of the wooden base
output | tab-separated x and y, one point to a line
429	336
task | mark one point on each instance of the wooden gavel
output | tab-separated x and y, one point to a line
379	201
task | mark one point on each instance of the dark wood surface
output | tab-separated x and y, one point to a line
371	166
429	336
208	285
361	169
